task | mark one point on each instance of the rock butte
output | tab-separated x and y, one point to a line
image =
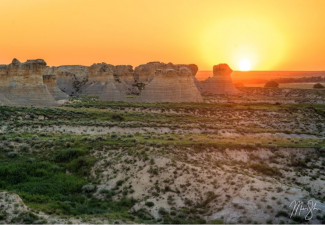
220	83
34	83
22	84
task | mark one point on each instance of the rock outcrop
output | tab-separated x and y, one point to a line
110	83
70	79
151	82
33	83
161	82
171	85
22	84
220	83
146	72
51	83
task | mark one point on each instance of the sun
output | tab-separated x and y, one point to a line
244	65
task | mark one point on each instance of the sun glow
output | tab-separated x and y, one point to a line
233	39
244	65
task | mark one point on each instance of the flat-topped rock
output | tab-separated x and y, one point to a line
171	85
145	72
22	84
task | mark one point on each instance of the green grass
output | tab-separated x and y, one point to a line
51	168
44	184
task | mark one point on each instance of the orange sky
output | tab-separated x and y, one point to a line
272	35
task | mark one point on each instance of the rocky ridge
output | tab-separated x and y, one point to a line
34	83
22	84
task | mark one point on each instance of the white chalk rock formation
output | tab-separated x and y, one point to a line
70	79
146	72
22	84
99	75
220	83
122	83
171	85
51	83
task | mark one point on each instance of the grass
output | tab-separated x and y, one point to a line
58	172
44	184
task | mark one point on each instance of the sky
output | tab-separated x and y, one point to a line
262	35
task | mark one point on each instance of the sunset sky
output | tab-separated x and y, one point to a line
270	35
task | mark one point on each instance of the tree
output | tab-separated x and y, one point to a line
271	84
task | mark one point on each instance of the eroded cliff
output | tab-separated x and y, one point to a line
220	83
22	84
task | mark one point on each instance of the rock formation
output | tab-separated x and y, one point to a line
171	85
104	80
122	83
146	72
33	83
70	79
22	84
110	82
51	83
220	83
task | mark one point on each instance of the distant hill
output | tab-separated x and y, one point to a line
261	76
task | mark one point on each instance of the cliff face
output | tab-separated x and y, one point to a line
33	83
22	84
220	83
70	79
171	85
151	82
160	82
110	82
146	72
51	83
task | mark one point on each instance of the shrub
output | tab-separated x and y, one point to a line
38	179
271	84
282	213
81	165
12	154
298	219
89	188
119	183
318	86
24	147
265	169
26	217
273	146
150	204
35	137
117	117
68	155
162	211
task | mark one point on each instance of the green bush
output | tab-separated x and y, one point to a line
282	213
81	165
12	154
68	154
89	188
150	204
265	169
38	178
